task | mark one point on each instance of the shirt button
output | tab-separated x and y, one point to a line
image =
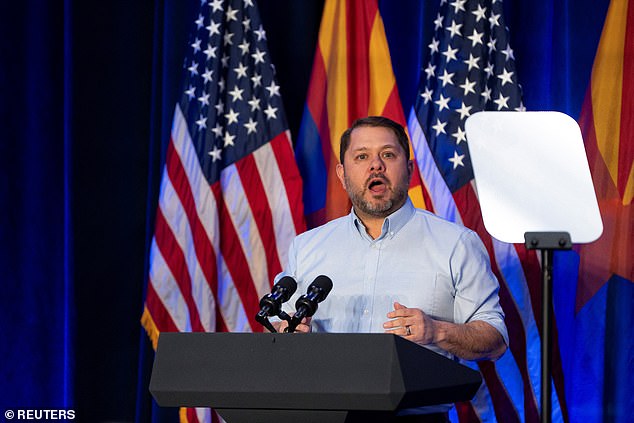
366	311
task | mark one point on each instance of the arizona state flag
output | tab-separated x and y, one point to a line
601	357
352	77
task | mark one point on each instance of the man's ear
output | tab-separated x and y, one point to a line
410	169
341	174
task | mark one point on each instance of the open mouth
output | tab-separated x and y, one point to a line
377	185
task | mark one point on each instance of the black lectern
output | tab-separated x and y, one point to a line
318	377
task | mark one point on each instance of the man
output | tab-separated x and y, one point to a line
395	268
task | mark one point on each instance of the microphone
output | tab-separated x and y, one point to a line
306	305
271	304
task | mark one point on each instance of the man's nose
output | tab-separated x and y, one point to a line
377	163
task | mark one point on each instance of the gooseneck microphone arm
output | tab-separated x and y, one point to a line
264	321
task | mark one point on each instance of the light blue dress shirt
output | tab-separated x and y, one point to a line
420	260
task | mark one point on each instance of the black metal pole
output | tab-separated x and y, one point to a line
547	242
547	296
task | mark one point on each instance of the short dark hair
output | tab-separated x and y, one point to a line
374	121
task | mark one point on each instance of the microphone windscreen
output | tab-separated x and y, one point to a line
289	285
324	283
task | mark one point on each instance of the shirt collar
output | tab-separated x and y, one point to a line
392	223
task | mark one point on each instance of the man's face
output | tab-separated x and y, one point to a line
375	171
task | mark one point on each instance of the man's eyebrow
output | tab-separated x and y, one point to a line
384	147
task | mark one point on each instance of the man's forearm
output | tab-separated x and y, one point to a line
475	340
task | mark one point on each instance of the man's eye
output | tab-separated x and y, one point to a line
362	156
388	154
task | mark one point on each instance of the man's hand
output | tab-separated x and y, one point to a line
410	323
304	325
476	340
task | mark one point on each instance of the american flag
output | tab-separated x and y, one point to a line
230	199
471	67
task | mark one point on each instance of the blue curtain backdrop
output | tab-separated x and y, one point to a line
36	349
87	91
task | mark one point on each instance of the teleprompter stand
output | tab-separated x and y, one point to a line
534	186
317	377
547	243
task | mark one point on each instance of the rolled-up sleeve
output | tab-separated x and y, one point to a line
475	284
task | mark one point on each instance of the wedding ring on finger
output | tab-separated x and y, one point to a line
408	331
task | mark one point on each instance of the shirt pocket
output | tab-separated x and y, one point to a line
431	292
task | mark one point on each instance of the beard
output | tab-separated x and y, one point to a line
377	207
